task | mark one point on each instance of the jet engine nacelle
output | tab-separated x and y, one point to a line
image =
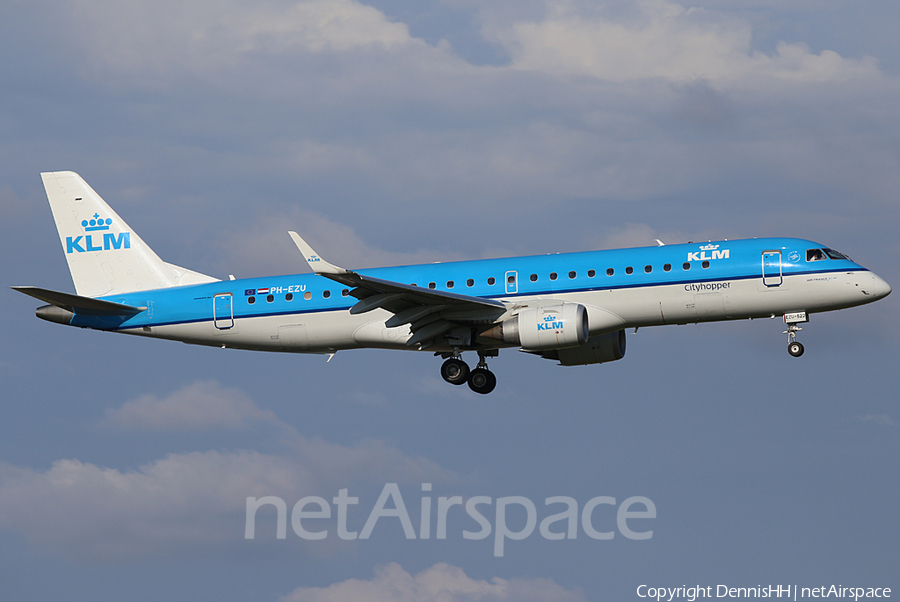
607	347
547	327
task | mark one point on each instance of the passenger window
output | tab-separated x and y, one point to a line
686	266
553	276
307	295
270	298
629	270
571	275
432	285
346	293
251	300
610	271
648	268
534	277
326	294
491	281
591	273
705	264
470	282
667	267
814	255
450	284
289	297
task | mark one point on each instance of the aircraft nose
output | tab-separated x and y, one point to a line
878	288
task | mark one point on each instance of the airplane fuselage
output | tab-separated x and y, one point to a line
623	288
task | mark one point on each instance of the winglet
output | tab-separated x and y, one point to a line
318	265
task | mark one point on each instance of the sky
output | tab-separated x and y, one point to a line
392	132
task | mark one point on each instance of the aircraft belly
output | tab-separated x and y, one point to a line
374	333
319	332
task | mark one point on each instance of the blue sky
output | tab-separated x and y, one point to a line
395	132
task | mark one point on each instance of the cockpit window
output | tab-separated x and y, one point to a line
835	254
815	255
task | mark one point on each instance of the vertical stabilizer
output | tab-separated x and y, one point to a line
105	255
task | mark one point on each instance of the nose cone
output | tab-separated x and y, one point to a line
877	288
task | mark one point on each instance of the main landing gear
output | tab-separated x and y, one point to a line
481	380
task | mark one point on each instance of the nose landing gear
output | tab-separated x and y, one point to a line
481	379
795	348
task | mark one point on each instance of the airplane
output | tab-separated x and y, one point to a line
573	308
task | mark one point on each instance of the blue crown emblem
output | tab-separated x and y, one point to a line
96	223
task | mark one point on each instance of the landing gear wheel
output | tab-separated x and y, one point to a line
482	381
795	349
455	371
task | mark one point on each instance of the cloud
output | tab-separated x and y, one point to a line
702	107
202	405
402	152
82	508
638	235
440	583
882	419
263	246
189	499
169	37
663	39
193	499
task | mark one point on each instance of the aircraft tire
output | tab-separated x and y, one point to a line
455	371
482	381
795	349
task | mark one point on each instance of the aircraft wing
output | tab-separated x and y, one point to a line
432	315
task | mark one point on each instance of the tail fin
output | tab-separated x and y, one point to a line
105	256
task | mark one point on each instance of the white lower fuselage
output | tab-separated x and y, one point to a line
608	310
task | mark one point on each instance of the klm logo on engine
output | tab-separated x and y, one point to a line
95	241
716	253
550	323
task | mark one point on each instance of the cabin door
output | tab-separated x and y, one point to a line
223	317
771	268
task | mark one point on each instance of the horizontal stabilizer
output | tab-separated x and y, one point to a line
78	304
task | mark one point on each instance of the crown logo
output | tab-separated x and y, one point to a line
96	223
709	247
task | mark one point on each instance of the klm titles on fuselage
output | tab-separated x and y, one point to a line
713	249
701	255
